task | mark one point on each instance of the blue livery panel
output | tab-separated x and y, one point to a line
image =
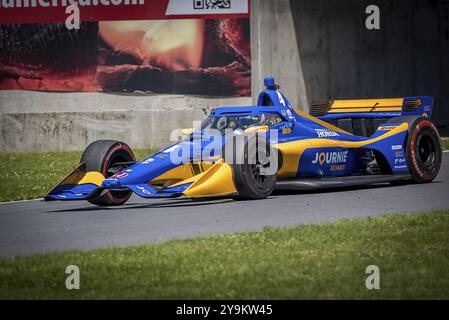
328	162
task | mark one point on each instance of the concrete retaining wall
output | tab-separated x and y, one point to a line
408	56
275	50
42	121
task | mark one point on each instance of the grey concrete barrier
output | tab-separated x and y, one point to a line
42	121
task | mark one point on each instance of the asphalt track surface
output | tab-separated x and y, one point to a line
30	227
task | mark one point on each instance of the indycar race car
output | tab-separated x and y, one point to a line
257	149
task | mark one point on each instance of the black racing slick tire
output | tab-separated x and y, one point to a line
423	149
104	156
254	169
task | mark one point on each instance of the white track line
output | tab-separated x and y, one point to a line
445	151
18	201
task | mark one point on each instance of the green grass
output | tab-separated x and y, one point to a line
325	261
445	144
31	175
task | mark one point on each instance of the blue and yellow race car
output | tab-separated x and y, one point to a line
256	149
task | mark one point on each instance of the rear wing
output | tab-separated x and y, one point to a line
362	117
372	108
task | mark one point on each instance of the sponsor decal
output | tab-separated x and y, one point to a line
400	167
338	167
337	157
399	161
172	148
144	191
396	147
147	161
386	128
324	133
161	155
398	154
120	175
281	100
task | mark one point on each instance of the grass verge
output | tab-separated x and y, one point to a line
325	261
445	143
31	175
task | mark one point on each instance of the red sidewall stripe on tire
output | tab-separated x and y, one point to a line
423	175
111	151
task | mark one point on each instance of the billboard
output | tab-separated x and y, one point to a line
160	46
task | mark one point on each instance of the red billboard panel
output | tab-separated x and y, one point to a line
158	46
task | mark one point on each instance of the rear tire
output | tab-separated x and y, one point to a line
423	149
254	175
424	152
101	155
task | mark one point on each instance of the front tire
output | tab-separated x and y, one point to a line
255	175
103	156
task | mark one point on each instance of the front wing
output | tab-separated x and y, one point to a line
80	184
